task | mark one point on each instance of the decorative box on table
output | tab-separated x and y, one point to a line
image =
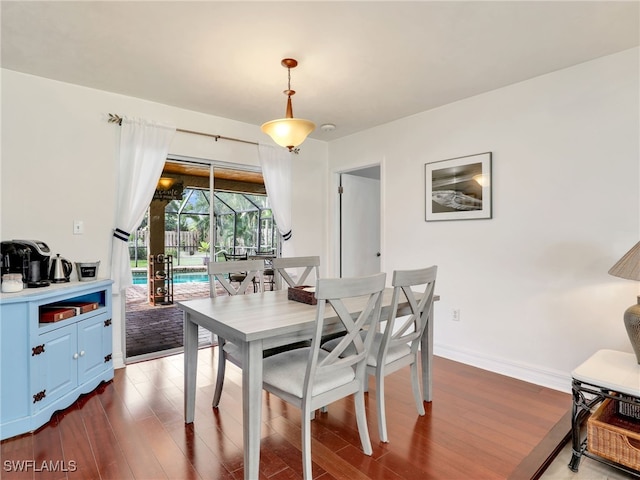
303	294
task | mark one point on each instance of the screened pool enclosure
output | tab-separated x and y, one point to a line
243	224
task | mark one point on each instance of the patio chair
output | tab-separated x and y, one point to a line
398	346
310	378
237	276
268	273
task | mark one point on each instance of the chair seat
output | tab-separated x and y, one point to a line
393	353
286	371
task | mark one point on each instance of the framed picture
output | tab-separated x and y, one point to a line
458	188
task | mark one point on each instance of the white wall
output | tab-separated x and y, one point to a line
59	158
531	283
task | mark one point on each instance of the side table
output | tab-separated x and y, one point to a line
606	374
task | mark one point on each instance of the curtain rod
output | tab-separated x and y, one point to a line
118	119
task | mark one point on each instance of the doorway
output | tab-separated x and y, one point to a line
359	221
199	211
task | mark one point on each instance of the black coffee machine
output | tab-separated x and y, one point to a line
30	258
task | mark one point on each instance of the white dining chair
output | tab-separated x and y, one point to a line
284	267
310	378
222	272
397	347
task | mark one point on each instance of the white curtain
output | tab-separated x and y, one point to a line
276	171
144	146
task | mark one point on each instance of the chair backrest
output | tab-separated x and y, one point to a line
409	328
309	264
234	256
352	350
252	269
265	253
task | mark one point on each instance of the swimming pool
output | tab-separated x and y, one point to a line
180	277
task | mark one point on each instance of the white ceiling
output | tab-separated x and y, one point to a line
361	64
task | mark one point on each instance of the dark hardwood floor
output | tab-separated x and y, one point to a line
480	425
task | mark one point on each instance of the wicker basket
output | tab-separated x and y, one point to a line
613	437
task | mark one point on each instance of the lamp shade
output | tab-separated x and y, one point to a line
629	265
288	132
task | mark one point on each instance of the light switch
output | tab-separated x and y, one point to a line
78	227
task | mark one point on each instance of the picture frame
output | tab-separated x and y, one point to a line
459	188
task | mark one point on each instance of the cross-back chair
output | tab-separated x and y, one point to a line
398	345
310	378
284	266
224	272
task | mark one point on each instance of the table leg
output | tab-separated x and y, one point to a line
190	335
426	357
574	463
252	407
579	410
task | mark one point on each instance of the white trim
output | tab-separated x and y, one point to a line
549	378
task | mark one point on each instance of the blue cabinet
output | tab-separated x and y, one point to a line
44	367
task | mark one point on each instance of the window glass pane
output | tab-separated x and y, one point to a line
236	201
243	224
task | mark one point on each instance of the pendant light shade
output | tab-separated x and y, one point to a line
288	132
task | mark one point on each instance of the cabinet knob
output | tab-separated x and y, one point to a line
82	353
75	356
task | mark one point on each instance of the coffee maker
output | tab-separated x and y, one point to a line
30	258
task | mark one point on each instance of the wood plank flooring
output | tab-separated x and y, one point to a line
480	425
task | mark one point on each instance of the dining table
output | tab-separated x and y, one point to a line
259	321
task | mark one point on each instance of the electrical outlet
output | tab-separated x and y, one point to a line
455	314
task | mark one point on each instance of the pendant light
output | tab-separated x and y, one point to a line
288	132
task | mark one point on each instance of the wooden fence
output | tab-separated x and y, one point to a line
188	240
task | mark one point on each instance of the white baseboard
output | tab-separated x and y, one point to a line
118	360
553	379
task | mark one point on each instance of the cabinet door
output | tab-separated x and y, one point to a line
54	368
90	346
14	363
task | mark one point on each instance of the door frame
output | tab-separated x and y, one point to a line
212	164
337	210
